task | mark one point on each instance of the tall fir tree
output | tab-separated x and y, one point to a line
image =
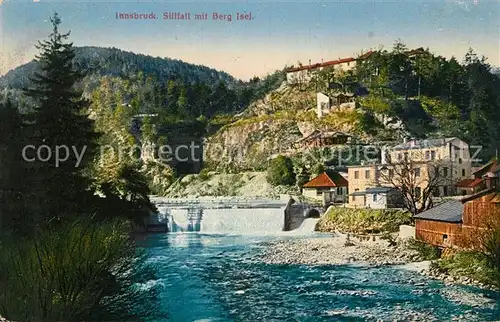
12	189
60	122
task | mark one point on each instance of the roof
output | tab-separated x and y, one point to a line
427	143
450	211
372	191
327	179
492	166
478	195
328	63
469	183
379	189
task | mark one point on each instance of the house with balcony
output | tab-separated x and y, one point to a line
328	103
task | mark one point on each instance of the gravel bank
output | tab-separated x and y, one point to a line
337	251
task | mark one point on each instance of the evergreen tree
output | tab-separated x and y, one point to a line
11	168
60	123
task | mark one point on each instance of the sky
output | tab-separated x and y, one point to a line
281	33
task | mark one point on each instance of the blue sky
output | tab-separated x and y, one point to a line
281	33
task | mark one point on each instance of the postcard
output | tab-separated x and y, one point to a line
249	160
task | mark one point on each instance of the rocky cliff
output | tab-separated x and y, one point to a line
271	125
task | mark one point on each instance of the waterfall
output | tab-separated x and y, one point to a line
243	220
307	226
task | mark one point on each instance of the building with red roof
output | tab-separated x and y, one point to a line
329	187
303	73
481	178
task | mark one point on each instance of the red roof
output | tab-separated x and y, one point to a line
469	183
328	63
324	180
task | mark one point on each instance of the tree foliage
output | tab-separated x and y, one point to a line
280	171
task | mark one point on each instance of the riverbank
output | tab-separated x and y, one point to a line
338	250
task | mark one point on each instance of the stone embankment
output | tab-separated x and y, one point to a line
446	278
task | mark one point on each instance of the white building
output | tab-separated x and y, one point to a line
303	74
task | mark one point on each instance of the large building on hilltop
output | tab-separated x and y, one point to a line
303	74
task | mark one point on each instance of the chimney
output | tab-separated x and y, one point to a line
309	62
491	180
384	154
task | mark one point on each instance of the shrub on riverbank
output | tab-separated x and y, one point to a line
82	271
363	220
426	251
472	264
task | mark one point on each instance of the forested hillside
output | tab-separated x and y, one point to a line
399	93
120	85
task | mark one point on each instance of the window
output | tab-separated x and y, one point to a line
391	173
463	172
445	190
374	197
356	174
400	156
367	174
427	155
418	192
460	160
417	172
445	237
319	192
433	155
445	171
406	156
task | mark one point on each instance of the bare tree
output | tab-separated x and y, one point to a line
418	181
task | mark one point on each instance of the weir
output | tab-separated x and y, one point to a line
239	218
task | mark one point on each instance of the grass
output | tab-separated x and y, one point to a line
80	271
472	264
363	220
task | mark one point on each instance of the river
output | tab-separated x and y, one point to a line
217	277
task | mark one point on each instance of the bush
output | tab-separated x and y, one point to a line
426	251
473	264
82	271
363	220
280	171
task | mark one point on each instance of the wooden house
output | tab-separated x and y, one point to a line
454	223
319	139
479	207
441	225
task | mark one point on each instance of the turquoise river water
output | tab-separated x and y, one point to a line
216	277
